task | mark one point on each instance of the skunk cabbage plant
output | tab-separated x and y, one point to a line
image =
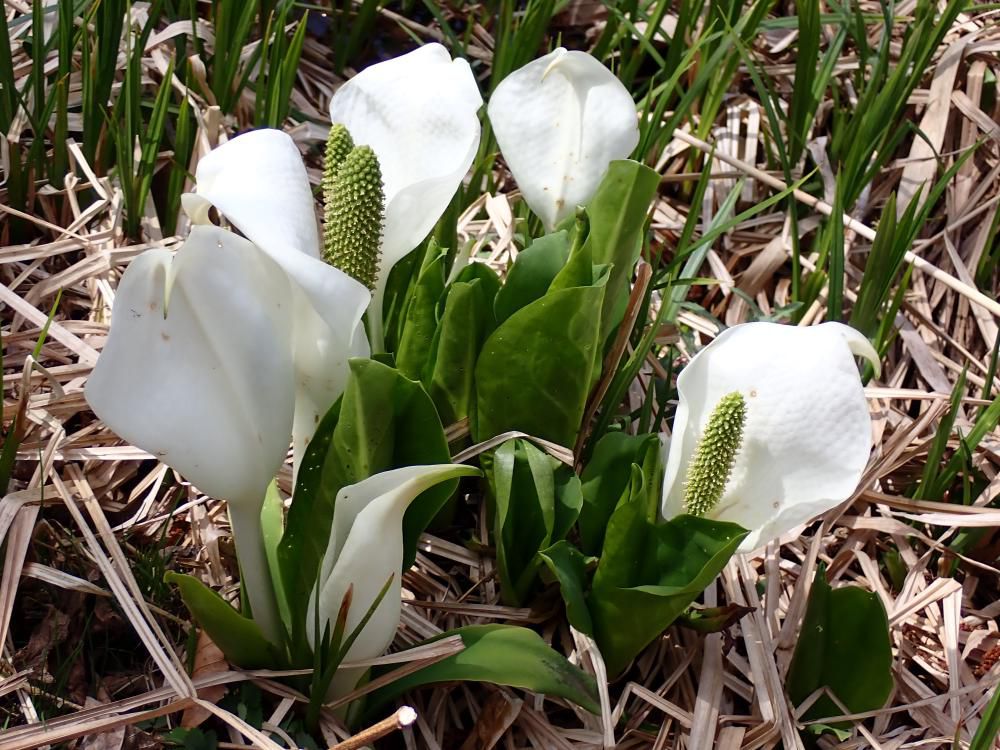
220	353
560	121
783	408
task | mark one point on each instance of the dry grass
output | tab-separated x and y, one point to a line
106	514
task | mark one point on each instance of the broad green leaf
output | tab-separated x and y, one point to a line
617	215
238	637
420	321
532	273
843	645
383	421
503	655
649	573
536	369
569	567
466	322
605	478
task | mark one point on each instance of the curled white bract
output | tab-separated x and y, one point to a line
197	368
560	121
364	551
807	436
418	114
258	182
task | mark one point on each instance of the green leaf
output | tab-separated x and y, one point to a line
843	645
465	324
605	478
617	214
524	492
989	726
535	370
238	637
420	321
569	567
649	573
272	521
532	273
383	421
502	655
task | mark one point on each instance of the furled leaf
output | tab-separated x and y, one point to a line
524	494
532	273
649	573
843	645
239	637
537	500
617	215
503	655
466	322
569	567
605	477
272	521
536	369
420	321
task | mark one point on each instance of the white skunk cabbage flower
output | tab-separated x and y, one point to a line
259	183
417	112
365	549
560	121
220	354
807	431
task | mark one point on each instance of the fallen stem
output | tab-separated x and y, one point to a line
402	718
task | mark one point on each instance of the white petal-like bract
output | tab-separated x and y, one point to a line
807	436
258	182
560	121
197	368
418	113
366	548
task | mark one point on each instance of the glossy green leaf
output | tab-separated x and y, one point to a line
569	567
649	573
383	421
536	369
532	273
605	477
503	655
238	637
465	324
617	215
420	321
843	645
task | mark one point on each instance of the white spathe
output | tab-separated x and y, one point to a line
560	121
418	114
365	549
197	368
807	436
259	183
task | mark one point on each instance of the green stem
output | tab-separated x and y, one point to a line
376	333
248	534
